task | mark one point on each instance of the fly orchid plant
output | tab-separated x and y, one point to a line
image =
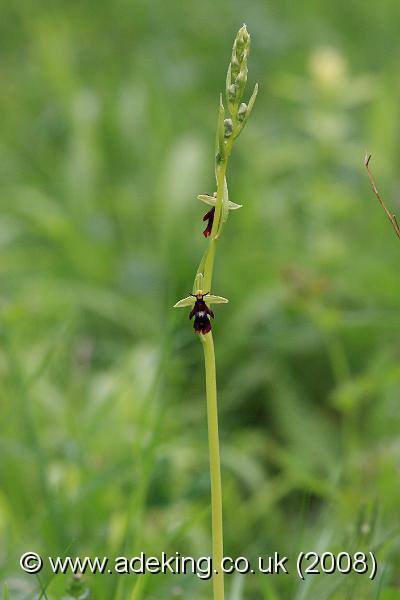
229	128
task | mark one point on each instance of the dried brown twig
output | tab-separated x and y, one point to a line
390	216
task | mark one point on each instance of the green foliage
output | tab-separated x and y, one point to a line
106	113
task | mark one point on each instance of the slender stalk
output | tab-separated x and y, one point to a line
215	465
211	392
228	130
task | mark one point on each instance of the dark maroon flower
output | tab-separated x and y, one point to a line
201	313
210	218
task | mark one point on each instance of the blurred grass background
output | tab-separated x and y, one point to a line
107	114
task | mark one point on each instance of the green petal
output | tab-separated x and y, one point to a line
198	282
211	200
233	205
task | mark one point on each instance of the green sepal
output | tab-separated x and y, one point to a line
209	299
212	200
198	285
188	301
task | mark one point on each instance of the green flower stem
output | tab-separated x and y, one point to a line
212	405
228	130
215	465
209	265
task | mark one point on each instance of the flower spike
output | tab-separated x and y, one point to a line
230	123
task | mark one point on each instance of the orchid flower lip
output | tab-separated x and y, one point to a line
210	218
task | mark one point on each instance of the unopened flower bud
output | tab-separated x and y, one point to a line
235	66
228	127
240	82
241	114
242	77
243	36
232	93
241	46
